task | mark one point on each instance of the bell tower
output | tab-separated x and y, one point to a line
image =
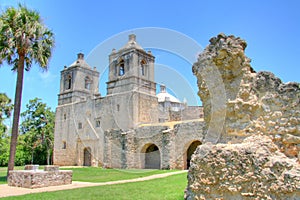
131	85
131	68
78	81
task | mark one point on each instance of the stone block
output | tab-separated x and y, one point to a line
37	179
51	168
31	167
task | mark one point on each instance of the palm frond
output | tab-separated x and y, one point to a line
23	33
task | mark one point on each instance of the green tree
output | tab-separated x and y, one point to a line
38	129
4	150
5	112
24	39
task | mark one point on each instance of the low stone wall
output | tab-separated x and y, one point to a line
38	178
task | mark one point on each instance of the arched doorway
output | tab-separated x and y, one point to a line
152	157
190	152
87	157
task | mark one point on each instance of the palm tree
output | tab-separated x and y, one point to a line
24	39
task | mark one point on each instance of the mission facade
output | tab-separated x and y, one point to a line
130	127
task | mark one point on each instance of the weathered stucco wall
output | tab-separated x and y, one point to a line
238	103
128	149
184	135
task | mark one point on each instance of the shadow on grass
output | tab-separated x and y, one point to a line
2	179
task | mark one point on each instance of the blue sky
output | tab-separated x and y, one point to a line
271	29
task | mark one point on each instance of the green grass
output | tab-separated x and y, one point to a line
171	187
93	174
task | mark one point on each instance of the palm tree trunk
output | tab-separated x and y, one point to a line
16	116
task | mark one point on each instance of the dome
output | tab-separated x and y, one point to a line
162	97
165	96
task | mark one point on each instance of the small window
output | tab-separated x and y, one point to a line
98	123
143	67
79	125
65	116
121	68
64	145
87	83
142	70
68	82
118	107
123	146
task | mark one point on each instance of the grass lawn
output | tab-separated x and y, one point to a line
93	174
171	187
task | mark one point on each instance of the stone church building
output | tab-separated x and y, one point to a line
130	127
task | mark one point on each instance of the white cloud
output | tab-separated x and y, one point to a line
47	77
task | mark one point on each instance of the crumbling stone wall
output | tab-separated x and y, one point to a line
254	169
126	149
257	112
248	102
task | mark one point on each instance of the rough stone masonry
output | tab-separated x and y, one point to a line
238	103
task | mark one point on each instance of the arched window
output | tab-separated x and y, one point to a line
68	82
143	68
121	68
64	145
98	123
87	83
79	125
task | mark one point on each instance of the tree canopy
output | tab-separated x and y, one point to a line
24	35
38	129
5	111
35	143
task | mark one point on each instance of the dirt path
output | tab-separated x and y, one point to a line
6	190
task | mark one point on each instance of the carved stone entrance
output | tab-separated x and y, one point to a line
87	156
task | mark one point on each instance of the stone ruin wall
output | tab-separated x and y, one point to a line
189	113
255	102
126	149
252	170
255	120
